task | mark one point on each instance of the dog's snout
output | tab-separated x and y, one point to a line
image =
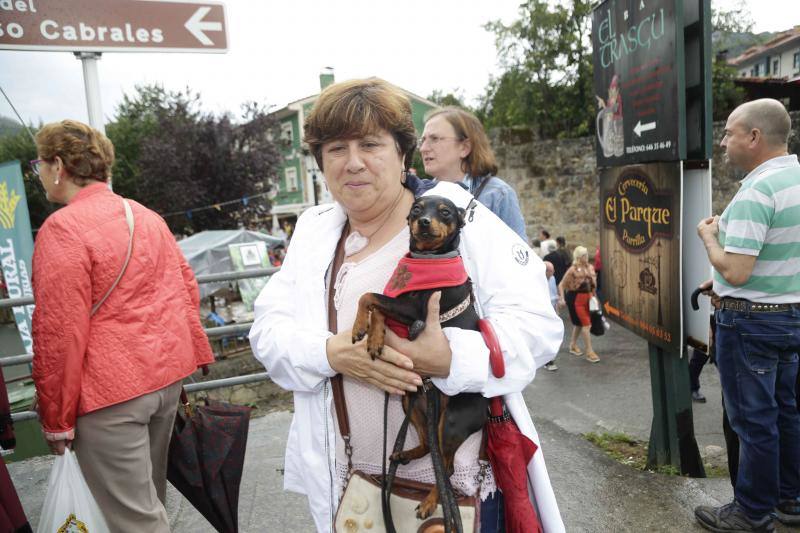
424	222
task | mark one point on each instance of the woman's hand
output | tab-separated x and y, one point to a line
57	447
430	352
58	442
392	372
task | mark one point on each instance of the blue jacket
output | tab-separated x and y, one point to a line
501	200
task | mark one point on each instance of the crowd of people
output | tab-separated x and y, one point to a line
116	327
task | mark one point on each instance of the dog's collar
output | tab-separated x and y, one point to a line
455	311
447	255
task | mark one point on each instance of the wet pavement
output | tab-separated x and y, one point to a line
595	493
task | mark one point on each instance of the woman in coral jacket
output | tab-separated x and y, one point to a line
108	382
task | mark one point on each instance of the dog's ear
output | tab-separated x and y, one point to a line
462	213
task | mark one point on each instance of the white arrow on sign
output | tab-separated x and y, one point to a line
197	26
639	128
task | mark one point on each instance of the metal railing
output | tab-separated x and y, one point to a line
215	332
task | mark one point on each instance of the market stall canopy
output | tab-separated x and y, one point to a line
207	252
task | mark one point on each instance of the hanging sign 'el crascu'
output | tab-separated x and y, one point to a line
637	211
638	81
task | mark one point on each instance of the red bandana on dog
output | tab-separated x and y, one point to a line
412	274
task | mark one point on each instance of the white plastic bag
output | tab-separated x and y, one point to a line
69	505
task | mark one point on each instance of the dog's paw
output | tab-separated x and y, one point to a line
425	509
400	457
374	351
415	329
359	334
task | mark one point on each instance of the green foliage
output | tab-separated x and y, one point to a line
8	126
725	94
547	78
736	19
731	35
173	157
455	98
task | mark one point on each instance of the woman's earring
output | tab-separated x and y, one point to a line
56	180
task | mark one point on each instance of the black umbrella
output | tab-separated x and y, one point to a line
206	457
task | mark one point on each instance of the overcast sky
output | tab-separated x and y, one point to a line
278	48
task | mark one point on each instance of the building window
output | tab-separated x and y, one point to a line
776	68
291	179
796	61
756	70
766	66
286	133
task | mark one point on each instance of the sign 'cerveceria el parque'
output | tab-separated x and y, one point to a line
637	211
640	241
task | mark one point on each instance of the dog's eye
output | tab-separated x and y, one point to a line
445	212
415	210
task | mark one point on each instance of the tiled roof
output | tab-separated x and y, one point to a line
781	39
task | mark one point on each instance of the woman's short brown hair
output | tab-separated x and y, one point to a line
480	161
86	153
356	108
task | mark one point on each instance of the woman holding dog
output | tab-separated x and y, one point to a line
362	135
575	290
454	147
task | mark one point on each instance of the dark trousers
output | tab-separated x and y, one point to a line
757	357
696	363
492	518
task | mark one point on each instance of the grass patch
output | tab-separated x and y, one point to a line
629	451
621	447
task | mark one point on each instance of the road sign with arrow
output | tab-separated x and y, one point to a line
119	26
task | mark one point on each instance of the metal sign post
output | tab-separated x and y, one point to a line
91	84
652	88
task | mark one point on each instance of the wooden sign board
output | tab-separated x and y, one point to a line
640	244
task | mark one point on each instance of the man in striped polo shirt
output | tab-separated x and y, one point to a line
755	251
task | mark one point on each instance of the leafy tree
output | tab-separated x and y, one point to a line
173	157
547	78
731	28
8	126
454	98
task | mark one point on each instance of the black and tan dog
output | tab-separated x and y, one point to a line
433	264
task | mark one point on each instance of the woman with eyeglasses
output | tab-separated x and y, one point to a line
454	147
115	330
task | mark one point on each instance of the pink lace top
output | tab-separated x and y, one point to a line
365	402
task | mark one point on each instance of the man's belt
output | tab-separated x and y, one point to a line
746	306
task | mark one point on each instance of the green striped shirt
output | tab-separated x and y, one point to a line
764	220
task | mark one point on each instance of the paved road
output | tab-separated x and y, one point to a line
595	493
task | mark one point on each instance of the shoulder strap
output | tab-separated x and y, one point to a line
129	220
336	381
484	181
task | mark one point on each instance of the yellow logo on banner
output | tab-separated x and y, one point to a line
8	204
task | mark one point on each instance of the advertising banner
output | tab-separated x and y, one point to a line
16	245
641	249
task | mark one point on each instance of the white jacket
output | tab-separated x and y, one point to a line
291	327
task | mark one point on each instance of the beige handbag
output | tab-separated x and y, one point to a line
360	508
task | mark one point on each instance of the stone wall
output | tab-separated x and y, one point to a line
558	184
